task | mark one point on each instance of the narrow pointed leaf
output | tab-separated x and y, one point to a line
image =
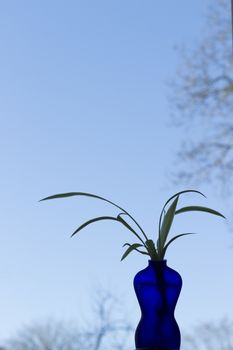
198	208
119	218
136	223
167	222
139	251
127	244
71	194
121	214
173	239
130	249
181	192
176	195
91	221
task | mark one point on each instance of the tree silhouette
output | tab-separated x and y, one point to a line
107	330
202	101
210	336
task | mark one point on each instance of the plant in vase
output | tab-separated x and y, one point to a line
157	286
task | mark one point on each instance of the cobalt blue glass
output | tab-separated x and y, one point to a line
157	288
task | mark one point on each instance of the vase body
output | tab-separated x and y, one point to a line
157	288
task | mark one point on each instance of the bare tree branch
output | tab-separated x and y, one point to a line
210	336
202	97
107	330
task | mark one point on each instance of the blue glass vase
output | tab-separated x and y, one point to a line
157	288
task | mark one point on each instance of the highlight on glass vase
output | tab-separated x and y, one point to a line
157	286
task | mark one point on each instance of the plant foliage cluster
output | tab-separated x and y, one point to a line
145	245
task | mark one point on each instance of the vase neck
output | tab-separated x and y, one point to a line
157	262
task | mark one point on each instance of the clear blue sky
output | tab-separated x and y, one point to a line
84	108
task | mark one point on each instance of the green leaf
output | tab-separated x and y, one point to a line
130	249
173	239
198	208
145	253
119	218
166	225
91	221
71	194
175	195
129	244
181	192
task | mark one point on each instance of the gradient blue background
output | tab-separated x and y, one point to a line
83	106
